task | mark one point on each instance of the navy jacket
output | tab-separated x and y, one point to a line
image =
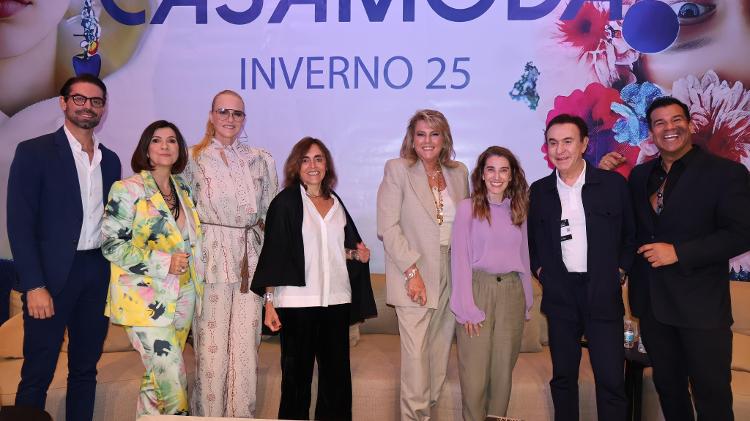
45	213
706	218
610	230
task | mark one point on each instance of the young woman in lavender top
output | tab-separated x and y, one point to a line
491	282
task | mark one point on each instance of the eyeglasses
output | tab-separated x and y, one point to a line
224	113
80	100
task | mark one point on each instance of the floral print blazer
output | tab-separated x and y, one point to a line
139	237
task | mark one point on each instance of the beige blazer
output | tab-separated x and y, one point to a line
408	228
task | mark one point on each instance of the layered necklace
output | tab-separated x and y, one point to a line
435	177
171	200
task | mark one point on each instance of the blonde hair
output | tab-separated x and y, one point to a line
436	120
210	129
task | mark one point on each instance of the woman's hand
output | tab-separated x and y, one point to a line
363	253
416	290
179	263
272	320
472	329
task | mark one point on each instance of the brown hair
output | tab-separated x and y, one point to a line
140	161
210	129
517	190
294	162
436	120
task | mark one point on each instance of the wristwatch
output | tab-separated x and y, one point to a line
268	297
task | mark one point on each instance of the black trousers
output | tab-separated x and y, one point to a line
699	357
310	334
80	308
606	353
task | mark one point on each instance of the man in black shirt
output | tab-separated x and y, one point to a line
691	212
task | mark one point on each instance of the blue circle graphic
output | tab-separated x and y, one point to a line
650	26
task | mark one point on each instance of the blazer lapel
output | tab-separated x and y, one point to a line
421	187
69	172
453	184
553	208
109	172
642	194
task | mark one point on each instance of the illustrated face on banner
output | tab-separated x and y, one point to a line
428	142
496	175
670	129
714	30
223	117
24	24
565	146
164	149
85	116
312	169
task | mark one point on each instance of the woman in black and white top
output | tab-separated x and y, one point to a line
315	280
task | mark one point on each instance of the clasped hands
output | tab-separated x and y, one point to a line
658	254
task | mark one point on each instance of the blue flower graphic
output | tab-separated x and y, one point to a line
632	127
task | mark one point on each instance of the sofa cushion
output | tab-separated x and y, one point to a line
386	322
741	352
740	292
11	333
16	306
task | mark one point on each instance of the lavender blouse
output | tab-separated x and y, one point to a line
497	248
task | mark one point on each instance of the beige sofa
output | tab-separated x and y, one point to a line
375	372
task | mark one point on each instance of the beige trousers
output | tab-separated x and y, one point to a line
426	337
226	338
485	362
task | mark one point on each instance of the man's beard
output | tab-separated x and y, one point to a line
84	124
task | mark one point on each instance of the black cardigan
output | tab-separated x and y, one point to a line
282	259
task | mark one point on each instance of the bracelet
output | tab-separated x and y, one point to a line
352	254
268	298
411	274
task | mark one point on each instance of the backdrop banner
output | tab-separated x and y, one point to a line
352	72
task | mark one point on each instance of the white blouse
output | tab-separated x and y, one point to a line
326	277
449	215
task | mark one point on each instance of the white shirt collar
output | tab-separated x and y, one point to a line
580	181
75	145
217	144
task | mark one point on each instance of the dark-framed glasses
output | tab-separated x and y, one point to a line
80	100
224	113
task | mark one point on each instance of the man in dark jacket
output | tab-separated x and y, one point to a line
581	242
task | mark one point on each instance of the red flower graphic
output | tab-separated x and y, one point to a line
586	30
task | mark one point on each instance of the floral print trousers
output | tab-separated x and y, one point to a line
164	384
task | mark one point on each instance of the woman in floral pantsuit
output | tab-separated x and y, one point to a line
233	183
151	233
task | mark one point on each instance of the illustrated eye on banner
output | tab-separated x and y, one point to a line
352	72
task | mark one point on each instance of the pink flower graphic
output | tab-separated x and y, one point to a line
720	113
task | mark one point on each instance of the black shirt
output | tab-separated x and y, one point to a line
658	175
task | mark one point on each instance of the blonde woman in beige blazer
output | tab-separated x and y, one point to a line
416	207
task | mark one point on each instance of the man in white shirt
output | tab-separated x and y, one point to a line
57	188
581	237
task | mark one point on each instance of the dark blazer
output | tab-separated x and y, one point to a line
610	227
707	218
282	259
45	213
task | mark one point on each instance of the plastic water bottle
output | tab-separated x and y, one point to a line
629	334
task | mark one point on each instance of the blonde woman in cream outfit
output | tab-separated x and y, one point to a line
416	207
233	184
